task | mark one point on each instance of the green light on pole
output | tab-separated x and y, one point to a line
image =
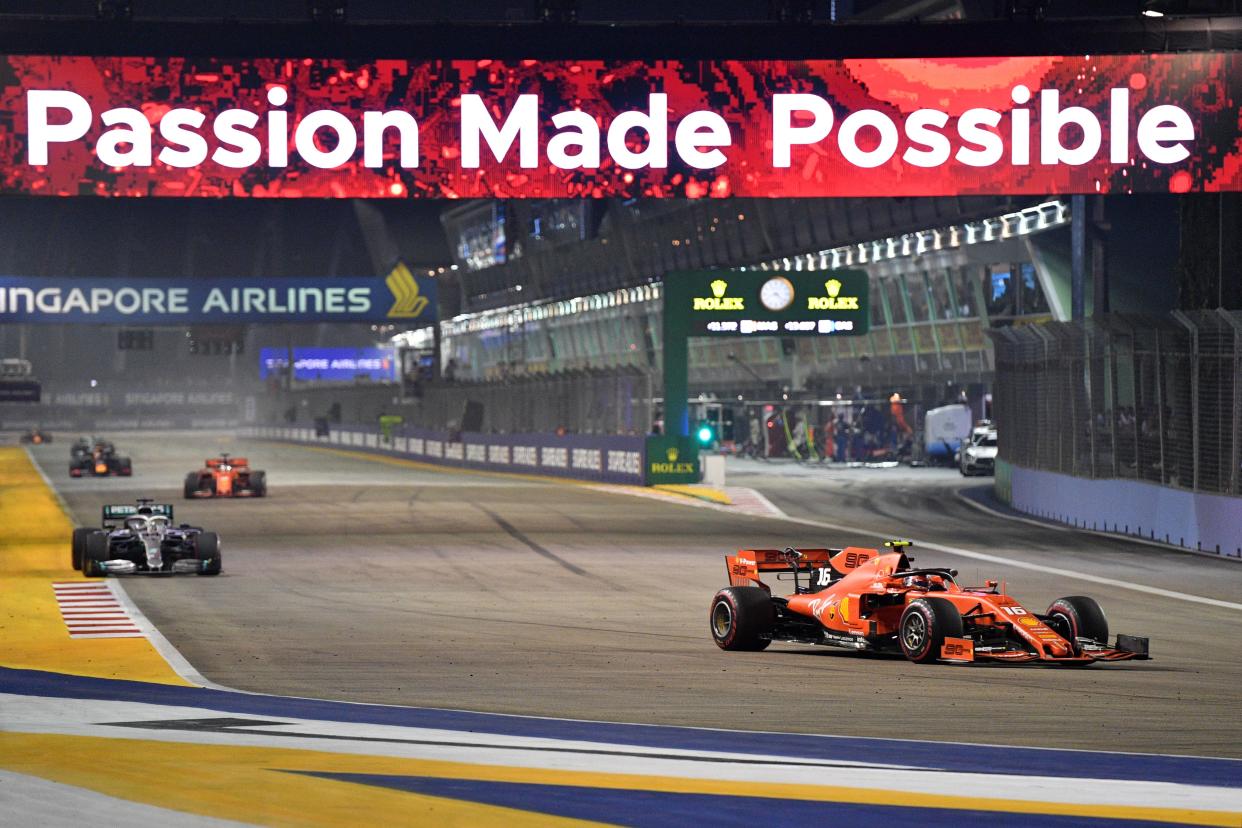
706	436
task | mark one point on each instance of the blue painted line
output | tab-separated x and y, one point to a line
662	809
931	755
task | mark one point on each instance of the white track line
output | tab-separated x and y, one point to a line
162	645
967	553
752	502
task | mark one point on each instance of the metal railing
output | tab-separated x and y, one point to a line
1156	398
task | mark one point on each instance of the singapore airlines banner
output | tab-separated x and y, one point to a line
108	126
400	299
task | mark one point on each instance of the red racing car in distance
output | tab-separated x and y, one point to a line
226	476
862	599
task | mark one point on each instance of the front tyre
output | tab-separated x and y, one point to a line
94	553
1078	616
742	618
924	626
207	550
258	483
78	546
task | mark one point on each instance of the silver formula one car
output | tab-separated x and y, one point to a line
142	539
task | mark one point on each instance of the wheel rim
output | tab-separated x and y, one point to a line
1064	626
914	632
722	619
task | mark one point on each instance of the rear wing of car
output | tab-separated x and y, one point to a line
745	567
120	511
216	462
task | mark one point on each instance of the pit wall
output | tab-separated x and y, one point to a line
1193	520
608	459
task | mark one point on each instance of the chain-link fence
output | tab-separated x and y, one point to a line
1136	397
589	401
612	401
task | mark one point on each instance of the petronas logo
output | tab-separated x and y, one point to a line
719	287
408	302
833	287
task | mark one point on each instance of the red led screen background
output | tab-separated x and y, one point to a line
1207	86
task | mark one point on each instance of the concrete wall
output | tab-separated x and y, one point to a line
1194	520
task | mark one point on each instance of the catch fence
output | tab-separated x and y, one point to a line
612	401
1154	398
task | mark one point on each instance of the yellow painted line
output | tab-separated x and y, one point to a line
221	780
707	493
697	492
250	784
34	552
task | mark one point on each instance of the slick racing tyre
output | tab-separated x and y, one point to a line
207	550
1078	616
191	485
78	546
94	553
124	467
740	617
924	626
258	483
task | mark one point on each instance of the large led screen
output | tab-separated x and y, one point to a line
213	127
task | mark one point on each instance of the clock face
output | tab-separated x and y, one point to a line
777	293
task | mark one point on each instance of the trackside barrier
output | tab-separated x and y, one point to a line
611	459
1193	520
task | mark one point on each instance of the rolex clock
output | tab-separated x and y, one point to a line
776	294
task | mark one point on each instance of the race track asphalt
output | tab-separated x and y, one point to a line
365	580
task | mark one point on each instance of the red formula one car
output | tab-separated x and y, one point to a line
862	599
226	476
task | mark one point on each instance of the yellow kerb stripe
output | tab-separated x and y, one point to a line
34	552
222	781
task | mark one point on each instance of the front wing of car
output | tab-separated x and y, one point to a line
1127	647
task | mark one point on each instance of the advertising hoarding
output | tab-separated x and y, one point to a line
330	364
400	297
268	127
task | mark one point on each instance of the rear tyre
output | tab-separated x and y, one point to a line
740	616
207	550
258	483
94	553
124	467
1078	616
924	626
191	485
78	546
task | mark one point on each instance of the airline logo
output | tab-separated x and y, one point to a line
408	303
189	301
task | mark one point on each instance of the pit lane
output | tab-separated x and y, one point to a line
389	583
